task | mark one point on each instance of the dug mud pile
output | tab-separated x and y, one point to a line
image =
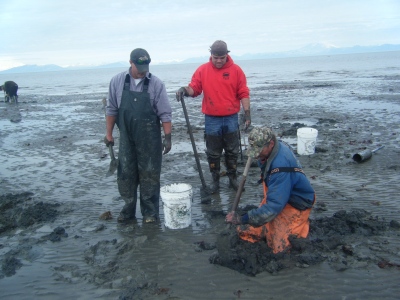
345	240
21	211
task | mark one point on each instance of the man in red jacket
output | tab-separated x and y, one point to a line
224	88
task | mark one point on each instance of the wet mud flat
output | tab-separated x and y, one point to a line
59	237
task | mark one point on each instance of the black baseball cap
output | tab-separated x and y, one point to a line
141	59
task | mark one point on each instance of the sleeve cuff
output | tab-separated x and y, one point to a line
245	219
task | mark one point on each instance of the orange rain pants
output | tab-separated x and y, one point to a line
290	221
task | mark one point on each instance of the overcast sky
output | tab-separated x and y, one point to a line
93	32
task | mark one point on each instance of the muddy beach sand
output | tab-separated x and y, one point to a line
53	190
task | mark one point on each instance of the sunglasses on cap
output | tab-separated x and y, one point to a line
144	60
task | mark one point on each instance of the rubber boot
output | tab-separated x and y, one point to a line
215	168
231	143
149	219
214	146
128	212
233	181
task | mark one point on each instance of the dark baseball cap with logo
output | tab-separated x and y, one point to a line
141	59
219	48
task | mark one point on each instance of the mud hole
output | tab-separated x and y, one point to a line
22	211
345	240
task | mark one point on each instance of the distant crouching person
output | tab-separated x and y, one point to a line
10	89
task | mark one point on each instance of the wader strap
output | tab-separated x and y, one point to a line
286	169
146	83
127	83
282	169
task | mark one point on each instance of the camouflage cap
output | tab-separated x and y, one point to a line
258	137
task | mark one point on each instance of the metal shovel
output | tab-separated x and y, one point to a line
365	155
113	163
204	192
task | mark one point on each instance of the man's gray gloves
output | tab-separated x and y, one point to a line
247	119
167	143
107	142
182	92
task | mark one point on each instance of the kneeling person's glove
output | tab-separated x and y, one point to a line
182	92
167	144
234	218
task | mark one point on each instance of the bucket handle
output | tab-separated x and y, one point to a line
174	209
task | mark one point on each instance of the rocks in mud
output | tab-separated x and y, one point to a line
56	235
106	216
202	245
337	240
394	224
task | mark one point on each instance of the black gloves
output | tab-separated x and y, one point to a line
167	143
247	119
182	92
107	142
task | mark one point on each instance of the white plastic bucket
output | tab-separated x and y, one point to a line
306	140
176	200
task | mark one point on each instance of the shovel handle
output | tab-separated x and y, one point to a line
196	156
110	148
241	185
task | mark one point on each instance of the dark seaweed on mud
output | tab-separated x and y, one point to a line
20	210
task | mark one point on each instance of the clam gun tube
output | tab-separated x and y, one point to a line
365	155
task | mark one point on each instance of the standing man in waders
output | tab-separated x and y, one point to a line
137	103
224	88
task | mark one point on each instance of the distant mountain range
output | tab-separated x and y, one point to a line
309	50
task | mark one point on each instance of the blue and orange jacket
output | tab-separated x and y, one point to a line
284	187
222	88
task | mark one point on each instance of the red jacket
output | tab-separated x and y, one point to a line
222	88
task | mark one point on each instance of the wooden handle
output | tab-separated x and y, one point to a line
110	148
241	185
196	156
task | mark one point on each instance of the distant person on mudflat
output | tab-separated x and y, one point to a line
10	89
288	195
138	103
224	88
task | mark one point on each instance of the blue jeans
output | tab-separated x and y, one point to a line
218	126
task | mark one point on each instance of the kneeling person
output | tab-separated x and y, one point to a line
288	195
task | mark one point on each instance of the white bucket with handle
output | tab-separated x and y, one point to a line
176	199
306	140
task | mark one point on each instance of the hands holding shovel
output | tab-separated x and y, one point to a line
107	142
114	162
181	93
234	218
